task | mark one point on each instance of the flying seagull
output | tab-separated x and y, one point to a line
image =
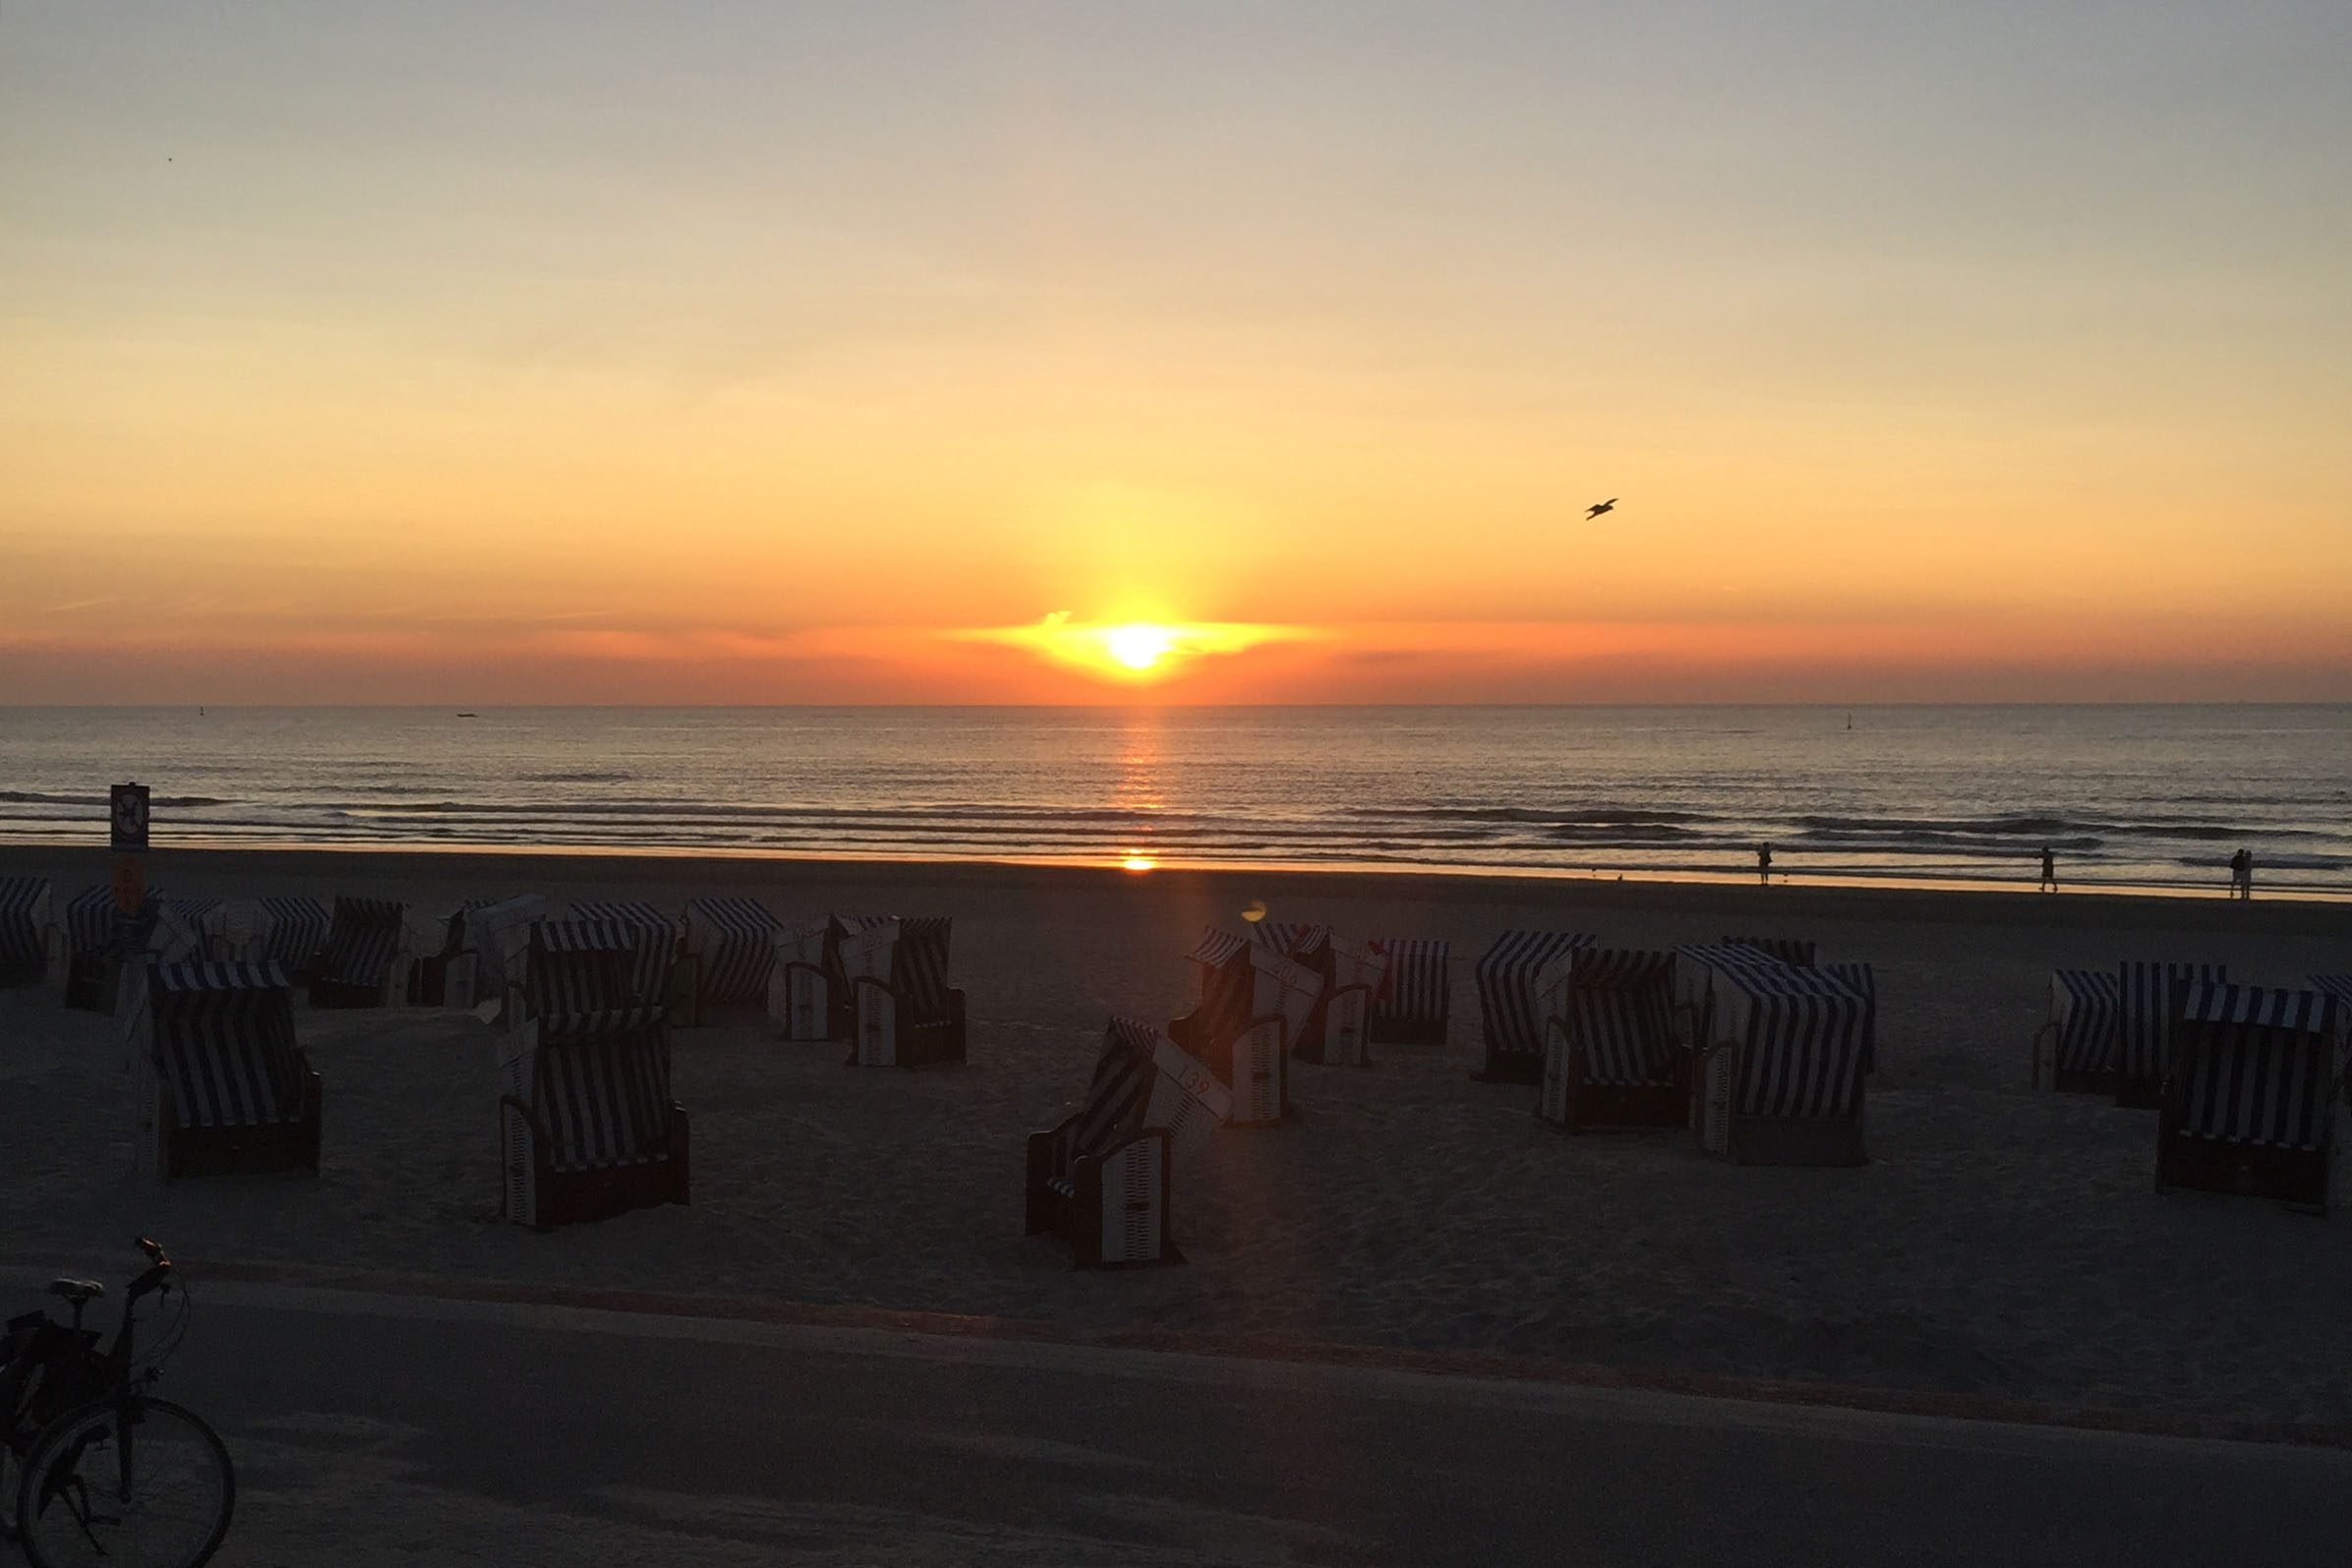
1598	507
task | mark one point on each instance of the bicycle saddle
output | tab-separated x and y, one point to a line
75	1290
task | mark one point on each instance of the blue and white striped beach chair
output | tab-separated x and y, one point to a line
32	942
907	1014
2251	1104
1253	1002
1415	1004
1611	1055
588	1125
2148	999
1781	1077
90	950
731	941
222	1087
2079	1039
360	961
574	969
1510	975
1795	951
291	934
1100	1180
655	934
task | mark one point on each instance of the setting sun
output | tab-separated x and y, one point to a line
1140	645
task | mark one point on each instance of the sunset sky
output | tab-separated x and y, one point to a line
899	351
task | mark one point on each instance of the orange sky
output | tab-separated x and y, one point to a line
436	358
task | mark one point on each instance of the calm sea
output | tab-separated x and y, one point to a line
2124	794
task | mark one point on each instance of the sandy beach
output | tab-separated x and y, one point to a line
2002	1241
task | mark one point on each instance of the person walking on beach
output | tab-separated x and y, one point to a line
2049	869
1764	864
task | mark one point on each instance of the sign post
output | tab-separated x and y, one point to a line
127	819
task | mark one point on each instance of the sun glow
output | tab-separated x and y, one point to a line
1132	650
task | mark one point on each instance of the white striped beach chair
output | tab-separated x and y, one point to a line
803	979
1415	1004
574	969
290	931
32	940
658	937
1253	1002
906	1013
1612	1055
1797	952
1337	1031
487	948
2148	999
1781	1081
588	1128
1510	1014
221	1087
1100	1180
2079	1037
731	942
90	950
360	962
191	928
1863	980
2251	1104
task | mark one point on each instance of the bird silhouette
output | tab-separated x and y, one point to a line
1598	507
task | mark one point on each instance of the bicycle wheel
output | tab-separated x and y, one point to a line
166	1504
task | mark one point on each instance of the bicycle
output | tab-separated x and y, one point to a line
92	1468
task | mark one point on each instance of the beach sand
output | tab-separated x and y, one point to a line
2001	1242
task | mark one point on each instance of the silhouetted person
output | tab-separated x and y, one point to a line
1764	864
2049	869
2241	874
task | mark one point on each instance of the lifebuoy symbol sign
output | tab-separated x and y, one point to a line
127	811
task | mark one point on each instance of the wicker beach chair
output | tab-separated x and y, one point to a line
1781	1080
1253	1002
1336	1032
191	928
1863	980
1612	1055
2148	999
361	961
1797	952
657	974
32	940
290	931
2251	1103
809	991
484	952
1508	977
90	950
587	1126
906	1013
1100	1180
576	968
2079	1037
221	1087
1415	1004
731	942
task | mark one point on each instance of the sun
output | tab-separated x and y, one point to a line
1139	645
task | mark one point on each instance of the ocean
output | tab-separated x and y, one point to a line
2157	796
